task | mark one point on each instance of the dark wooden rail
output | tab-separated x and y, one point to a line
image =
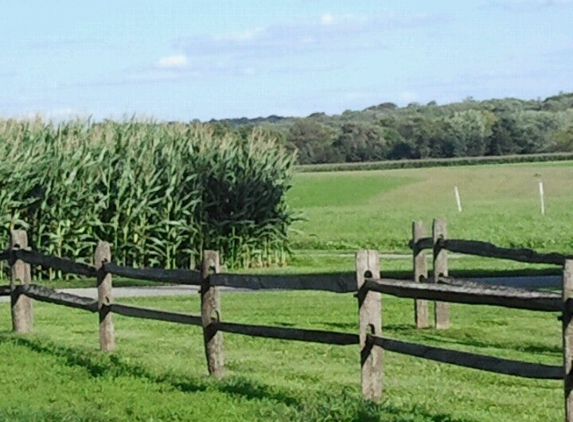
471	360
335	282
489	250
287	333
485	249
54	262
182	276
531	300
4	290
45	294
454	281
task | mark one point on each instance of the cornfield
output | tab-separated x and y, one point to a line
159	193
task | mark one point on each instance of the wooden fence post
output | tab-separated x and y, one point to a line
370	313
20	274
420	272
105	298
568	338
442	309
211	312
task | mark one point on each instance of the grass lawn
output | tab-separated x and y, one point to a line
158	372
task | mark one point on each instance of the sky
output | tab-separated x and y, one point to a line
185	60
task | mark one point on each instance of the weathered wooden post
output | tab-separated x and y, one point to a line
370	313
441	310
211	312
105	298
420	274
20	274
568	338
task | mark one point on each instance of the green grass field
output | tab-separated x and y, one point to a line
158	372
374	209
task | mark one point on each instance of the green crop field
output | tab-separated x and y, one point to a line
158	372
374	209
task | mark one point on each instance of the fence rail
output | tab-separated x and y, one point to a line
471	360
332	282
530	300
288	333
56	263
489	250
186	277
366	283
45	294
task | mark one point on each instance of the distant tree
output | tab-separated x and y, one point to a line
361	142
503	138
313	140
564	140
471	130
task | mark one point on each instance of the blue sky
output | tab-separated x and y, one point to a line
185	60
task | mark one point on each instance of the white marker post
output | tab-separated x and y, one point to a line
542	197
458	200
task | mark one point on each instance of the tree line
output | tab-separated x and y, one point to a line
468	128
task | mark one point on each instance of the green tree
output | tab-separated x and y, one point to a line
313	141
361	142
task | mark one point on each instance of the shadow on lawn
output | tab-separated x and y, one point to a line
342	406
534	347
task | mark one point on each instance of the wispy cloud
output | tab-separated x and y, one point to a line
178	61
327	33
255	51
518	6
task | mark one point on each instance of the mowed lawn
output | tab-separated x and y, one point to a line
158	372
374	209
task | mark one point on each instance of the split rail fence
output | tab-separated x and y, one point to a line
366	283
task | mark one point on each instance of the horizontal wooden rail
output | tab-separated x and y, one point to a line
531	300
54	262
335	282
287	333
421	244
471	360
146	313
452	281
45	294
181	276
489	250
4	290
485	249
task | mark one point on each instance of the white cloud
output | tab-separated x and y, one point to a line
327	19
173	62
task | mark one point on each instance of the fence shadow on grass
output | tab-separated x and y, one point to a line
344	406
526	347
99	365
